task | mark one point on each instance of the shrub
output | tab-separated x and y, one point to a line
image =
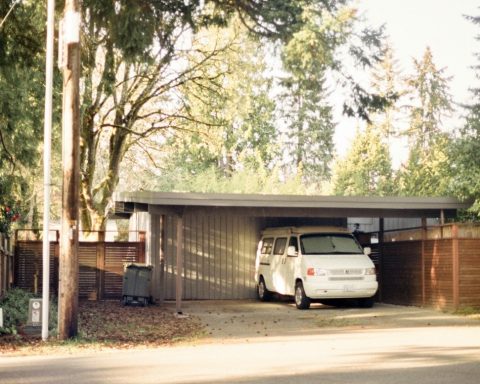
15	310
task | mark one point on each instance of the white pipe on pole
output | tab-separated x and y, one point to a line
46	166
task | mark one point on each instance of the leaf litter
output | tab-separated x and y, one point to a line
109	324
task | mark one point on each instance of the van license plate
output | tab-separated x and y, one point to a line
348	288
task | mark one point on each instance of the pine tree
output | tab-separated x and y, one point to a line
427	170
465	154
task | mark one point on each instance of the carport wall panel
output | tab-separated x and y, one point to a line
219	257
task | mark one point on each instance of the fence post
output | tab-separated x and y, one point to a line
424	238
381	249
141	248
455	267
101	265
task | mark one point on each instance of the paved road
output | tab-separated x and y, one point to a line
431	348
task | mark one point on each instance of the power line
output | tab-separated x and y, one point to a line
9	11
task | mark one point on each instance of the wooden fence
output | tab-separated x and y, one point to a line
101	266
437	267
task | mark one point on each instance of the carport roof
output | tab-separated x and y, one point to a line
285	205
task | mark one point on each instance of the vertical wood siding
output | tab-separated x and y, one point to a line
219	257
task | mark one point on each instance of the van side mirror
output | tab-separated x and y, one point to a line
291	251
367	251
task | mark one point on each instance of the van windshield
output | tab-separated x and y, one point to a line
328	243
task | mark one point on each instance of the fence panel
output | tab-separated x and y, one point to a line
100	267
469	280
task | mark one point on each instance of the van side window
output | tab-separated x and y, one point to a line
267	244
293	243
280	245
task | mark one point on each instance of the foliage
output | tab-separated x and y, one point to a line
15	310
432	102
366	170
308	117
386	82
465	183
8	216
232	119
22	77
134	63
427	172
465	150
247	180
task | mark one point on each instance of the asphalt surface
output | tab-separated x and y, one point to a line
250	342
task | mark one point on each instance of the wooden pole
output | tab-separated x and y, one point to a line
68	263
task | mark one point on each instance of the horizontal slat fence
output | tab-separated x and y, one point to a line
469	284
100	266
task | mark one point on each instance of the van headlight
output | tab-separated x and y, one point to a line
316	272
370	271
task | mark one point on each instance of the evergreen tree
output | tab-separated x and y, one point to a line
22	77
386	81
427	170
366	170
465	154
307	117
432	102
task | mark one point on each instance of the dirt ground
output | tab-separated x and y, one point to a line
249	319
109	325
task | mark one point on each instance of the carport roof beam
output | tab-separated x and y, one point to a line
288	205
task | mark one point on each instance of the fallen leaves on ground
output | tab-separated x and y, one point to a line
109	324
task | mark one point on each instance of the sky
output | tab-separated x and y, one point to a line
411	26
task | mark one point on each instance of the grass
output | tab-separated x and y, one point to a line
468	311
108	324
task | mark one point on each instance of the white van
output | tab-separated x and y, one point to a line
314	264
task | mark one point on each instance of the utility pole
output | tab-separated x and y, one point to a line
69	60
47	139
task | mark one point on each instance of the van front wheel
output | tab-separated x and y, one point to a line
301	300
262	292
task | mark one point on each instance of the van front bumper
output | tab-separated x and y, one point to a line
343	290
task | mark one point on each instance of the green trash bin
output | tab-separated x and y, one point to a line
137	284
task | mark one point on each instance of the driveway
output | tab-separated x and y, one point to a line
251	342
237	321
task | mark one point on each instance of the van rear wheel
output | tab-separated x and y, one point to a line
301	300
262	292
366	302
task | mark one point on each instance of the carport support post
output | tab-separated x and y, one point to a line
153	255
424	238
179	280
381	236
455	268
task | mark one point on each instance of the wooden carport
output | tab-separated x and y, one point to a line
264	209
